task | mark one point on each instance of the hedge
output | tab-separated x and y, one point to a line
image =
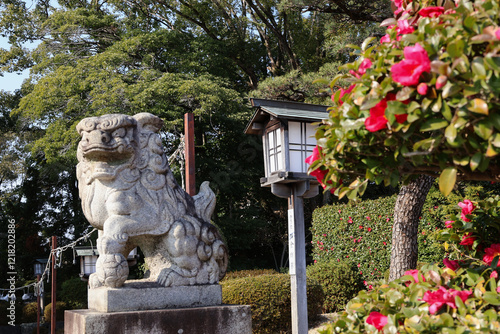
361	234
74	293
270	300
340	282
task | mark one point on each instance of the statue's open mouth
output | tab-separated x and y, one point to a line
112	155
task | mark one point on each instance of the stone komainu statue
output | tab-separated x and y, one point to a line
129	193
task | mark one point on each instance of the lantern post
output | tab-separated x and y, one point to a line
287	130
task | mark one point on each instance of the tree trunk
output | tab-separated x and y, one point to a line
404	252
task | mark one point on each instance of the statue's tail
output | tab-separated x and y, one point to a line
204	202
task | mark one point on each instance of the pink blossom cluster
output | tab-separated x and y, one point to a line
444	296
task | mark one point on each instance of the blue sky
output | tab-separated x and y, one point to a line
11	81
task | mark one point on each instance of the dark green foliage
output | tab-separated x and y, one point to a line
74	293
248	273
269	297
4	320
60	308
340	282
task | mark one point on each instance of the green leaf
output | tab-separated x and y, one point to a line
479	106
447	180
434	124
475	161
483	129
353	46
367	42
369	102
492	298
461	161
450	133
478	68
461	307
495	141
455	48
450	89
404	94
493	62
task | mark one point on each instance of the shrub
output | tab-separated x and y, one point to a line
337	234
74	293
248	273
60	308
359	234
30	312
462	296
340	282
270	300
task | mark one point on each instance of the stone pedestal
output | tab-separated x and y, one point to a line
222	319
145	307
137	295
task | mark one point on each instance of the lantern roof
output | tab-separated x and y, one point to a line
42	261
283	110
86	251
91	251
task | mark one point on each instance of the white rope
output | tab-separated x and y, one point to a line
53	256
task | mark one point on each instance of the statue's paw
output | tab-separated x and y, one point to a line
169	277
114	243
112	270
94	281
166	277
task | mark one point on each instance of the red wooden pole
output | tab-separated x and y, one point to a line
189	153
38	305
53	292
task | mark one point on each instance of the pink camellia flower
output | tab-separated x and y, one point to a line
494	274
365	64
318	173
491	252
343	92
377	120
449	223
422	88
467	208
436	299
467	240
497	33
498	289
431	11
413	273
385	39
377	319
399	5
403	28
452	264
416	61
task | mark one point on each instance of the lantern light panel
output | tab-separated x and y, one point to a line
287	130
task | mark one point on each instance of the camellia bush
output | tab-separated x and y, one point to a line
462	295
360	234
425	99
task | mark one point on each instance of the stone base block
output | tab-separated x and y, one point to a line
223	319
138	296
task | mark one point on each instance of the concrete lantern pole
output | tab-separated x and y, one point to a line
295	193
